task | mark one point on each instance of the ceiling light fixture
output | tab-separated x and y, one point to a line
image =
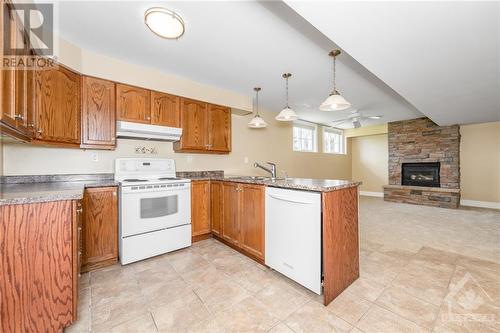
257	121
164	23
287	114
334	102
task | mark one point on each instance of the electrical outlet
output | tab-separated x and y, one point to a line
95	157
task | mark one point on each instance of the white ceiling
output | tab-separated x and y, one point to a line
441	56
236	46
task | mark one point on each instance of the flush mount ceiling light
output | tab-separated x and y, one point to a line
287	114
334	102
257	121
164	23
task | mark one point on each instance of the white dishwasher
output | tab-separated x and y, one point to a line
293	235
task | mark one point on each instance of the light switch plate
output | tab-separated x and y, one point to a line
95	157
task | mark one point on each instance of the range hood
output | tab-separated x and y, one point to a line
129	130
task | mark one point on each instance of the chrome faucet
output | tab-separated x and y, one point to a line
271	170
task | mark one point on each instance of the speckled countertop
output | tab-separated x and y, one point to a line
306	184
33	189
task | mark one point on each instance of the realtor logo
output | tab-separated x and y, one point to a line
28	29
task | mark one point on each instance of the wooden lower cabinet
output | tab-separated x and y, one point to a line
243	217
38	265
200	208
216	207
252	219
230	216
100	227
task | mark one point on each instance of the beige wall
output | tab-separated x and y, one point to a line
369	161
480	162
271	144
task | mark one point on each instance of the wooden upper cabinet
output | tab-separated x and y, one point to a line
193	123
133	104
216	206
165	109
200	207
58	105
98	113
252	219
230	214
100	227
219	128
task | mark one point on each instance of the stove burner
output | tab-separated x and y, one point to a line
134	180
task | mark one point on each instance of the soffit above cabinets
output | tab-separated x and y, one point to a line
441	56
236	46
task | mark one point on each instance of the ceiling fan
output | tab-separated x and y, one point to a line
355	118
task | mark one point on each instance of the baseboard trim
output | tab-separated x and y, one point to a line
372	194
480	204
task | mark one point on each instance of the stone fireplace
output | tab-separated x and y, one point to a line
424	163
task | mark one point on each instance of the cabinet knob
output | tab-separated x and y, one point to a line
148	118
79	210
31	125
19	117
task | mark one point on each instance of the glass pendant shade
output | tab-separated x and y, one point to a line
335	102
257	122
287	114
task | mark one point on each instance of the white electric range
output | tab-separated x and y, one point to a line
155	208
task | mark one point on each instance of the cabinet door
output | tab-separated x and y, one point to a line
194	124
98	113
252	220
7	75
100	227
165	109
219	128
230	218
216	207
58	105
200	207
132	104
37	267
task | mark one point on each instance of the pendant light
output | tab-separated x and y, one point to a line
287	114
257	121
334	102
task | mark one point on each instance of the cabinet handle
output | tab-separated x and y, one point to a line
31	125
79	210
148	118
18	117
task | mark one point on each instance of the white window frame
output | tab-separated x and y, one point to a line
342	143
305	126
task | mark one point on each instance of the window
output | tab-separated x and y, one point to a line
304	137
333	141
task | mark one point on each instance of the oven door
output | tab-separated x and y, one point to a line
150	208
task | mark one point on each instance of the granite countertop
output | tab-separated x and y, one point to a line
33	189
306	184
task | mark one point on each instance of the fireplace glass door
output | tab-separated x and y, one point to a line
421	174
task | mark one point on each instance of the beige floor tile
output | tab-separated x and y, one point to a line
180	315
248	315
409	307
187	261
221	295
82	323
313	317
162	293
281	299
452	319
155	262
435	255
84	281
141	324
379	320
254	279
280	328
231	264
375	268
111	293
159	274
369	245
112	274
112	314
349	307
204	276
366	288
210	325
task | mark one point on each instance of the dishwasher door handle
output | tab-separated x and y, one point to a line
290	200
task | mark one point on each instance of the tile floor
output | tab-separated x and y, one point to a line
423	269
